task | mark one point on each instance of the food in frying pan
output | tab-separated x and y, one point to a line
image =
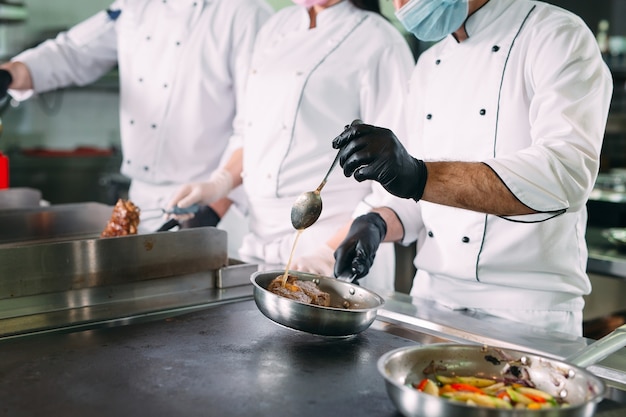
303	291
487	392
124	220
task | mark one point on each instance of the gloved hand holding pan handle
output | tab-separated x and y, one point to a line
375	153
357	251
5	81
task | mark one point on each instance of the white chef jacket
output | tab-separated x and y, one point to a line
527	94
305	86
182	67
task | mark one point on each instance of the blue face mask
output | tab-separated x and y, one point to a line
432	20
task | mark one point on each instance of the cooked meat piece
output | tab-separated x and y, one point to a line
288	291
303	291
318	297
124	220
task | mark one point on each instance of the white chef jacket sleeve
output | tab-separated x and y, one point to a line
572	90
248	21
76	57
384	89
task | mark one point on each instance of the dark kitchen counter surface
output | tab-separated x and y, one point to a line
227	360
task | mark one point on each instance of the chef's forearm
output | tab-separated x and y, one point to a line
395	229
235	166
472	186
20	73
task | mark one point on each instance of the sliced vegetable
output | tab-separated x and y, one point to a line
478	399
431	388
471	380
484	392
517	397
427	386
475	381
494	389
422	384
503	395
459	386
541	396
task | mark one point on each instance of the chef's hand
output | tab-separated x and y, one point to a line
5	81
205	216
375	153
357	251
321	261
218	186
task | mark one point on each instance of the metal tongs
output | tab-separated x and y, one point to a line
172	222
192	209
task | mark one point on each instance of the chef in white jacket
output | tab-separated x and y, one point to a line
506	123
182	67
314	65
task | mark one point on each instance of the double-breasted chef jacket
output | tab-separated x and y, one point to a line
182	68
305	85
527	94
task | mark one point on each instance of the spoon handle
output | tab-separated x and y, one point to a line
332	166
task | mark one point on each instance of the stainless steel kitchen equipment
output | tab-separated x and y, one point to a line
53	223
581	389
56	272
326	321
19	198
616	236
76	282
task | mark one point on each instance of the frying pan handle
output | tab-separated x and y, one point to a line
599	350
347	276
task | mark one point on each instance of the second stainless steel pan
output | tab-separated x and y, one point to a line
565	379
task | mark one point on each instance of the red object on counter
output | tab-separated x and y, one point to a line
79	151
4	171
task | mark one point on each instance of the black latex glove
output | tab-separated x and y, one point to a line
206	216
356	252
375	153
5	81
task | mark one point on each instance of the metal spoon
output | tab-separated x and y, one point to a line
308	206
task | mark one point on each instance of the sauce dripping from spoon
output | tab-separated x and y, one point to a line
293	249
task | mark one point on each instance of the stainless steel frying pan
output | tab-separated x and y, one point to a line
327	321
565	379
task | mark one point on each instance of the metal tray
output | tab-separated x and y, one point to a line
52	223
20	197
65	284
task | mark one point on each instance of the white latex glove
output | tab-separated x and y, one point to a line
218	186
321	261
